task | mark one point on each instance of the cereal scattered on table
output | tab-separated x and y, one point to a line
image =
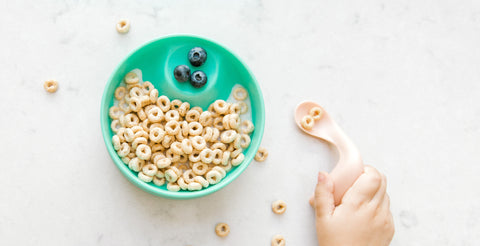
279	207
222	229
50	85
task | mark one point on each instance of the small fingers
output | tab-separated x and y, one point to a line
381	192
364	188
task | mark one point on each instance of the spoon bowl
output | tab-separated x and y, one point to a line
350	164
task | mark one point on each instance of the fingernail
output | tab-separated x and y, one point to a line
321	177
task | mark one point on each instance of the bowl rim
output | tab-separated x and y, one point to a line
259	129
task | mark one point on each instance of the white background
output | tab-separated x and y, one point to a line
402	79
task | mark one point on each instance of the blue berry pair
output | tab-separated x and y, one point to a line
197	57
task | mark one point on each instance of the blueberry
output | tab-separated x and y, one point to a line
197	56
198	79
181	73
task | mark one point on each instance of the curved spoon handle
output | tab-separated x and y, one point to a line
349	166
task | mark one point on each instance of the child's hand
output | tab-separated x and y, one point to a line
362	218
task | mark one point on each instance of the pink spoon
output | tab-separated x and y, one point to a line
350	164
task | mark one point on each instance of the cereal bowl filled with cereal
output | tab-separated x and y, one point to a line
182	117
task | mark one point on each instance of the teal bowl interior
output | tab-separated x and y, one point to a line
157	60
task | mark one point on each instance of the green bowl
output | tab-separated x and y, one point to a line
157	60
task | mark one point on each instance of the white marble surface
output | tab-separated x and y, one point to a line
401	77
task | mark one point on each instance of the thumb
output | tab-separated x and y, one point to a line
324	203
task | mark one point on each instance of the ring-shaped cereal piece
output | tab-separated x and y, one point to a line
163	162
157	148
115	112
220	170
217	156
213	177
142	115
120	134
50	86
195	128
124	105
125	160
160	174
316	113
192	116
198	109
243	107
228	136
188	175
234	121
187	146
179	137
136	164
171	175
158	181
261	155
167	141
218	123
172	115
115	125
135	92
225	158
279	207
123	26
163	103
218	145
172	127
227	167
222	229
155	114
307	122
206	118
176	148
220	106
182	184
159	125
148	87
145	178
194	186
243	141
199	168
226	122
124	150
138	141
131	78
201	180
156	134
120	93
246	127
278	240
150	170
240	93
143	152
215	135
175	104
207	133
131	120
194	156
136	129
129	135
206	155
141	134
173	187
183	109
153	95
116	142
185	128
236	152
234	108
238	160
131	155
198	143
